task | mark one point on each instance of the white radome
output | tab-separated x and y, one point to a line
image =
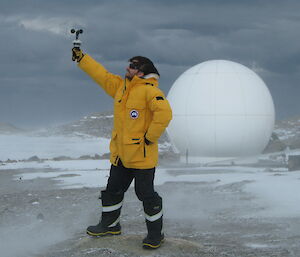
221	109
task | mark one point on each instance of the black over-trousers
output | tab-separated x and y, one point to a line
120	179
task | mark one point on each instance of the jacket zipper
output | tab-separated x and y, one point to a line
124	89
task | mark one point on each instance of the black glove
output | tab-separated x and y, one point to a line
77	54
147	142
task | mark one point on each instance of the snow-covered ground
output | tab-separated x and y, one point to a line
19	147
278	191
258	193
24	146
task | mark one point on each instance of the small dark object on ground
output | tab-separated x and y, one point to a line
294	162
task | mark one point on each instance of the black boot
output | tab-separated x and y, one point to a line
154	222
111	210
154	242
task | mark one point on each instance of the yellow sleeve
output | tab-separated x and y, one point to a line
108	81
162	115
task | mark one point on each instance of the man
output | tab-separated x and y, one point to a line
141	114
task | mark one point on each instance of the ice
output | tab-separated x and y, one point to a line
254	245
63	165
276	192
71	179
278	195
245	203
18	147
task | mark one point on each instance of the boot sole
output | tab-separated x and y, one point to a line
107	233
152	247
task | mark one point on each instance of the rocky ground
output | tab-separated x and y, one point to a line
38	218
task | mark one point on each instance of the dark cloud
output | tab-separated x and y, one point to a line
39	84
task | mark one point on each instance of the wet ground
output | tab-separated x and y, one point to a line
39	218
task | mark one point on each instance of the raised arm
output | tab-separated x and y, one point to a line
108	81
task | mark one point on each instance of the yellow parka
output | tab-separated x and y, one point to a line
140	110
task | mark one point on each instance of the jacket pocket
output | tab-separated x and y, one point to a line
135	115
134	147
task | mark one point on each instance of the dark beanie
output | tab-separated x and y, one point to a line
144	64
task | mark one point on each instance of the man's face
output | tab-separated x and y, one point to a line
132	70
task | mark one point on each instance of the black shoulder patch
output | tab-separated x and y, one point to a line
159	98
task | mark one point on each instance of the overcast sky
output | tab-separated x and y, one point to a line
41	86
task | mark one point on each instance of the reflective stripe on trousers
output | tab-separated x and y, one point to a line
154	217
112	207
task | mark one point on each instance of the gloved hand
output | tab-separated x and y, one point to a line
77	54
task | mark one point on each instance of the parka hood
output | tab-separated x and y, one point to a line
151	80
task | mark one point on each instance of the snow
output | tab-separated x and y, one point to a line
278	195
19	147
253	245
275	191
71	179
61	165
287	132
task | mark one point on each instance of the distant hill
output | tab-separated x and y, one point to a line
285	134
6	128
288	131
96	124
100	125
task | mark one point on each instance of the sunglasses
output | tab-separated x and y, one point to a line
134	66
